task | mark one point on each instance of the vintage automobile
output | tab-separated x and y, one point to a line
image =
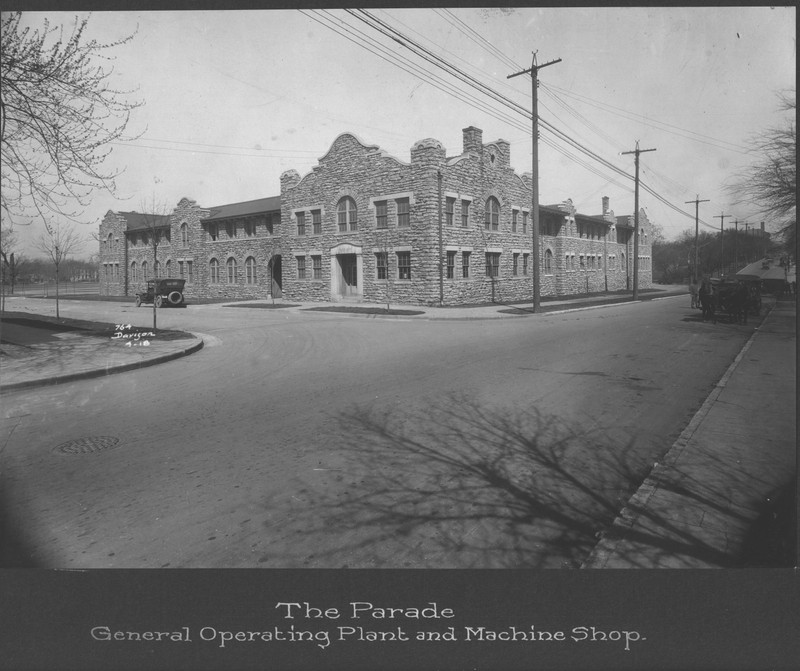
167	292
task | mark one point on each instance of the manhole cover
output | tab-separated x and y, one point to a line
86	445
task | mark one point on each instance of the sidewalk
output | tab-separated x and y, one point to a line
700	507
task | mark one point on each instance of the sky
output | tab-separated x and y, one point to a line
234	98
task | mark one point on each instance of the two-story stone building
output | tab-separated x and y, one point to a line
366	226
363	225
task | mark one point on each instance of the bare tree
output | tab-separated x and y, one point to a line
8	242
155	218
770	182
383	246
57	244
58	118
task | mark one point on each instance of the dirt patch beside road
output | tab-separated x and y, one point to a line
89	328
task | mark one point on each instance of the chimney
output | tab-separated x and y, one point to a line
605	204
473	140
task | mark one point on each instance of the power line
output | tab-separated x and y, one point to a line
436	60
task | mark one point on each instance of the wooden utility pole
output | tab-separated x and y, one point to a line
534	72
721	216
696	202
636	152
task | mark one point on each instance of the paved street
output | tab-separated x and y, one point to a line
303	439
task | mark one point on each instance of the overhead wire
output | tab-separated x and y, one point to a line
432	58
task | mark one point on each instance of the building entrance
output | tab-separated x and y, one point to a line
348	276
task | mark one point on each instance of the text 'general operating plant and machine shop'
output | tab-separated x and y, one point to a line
365	622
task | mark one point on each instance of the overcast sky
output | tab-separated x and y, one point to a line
234	98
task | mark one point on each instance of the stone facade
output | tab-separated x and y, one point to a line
366	226
231	251
472	207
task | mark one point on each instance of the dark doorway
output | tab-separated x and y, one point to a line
348	284
275	275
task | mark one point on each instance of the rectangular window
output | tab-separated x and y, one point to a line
514	214
525	264
180	268
524	222
230	227
464	214
449	208
316	263
404	265
515	264
316	221
381	217
250	229
451	265
382	259
213	232
492	264
403	212
189	271
465	264
301	267
301	223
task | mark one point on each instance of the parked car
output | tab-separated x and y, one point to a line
167	292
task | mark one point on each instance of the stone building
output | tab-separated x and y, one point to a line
363	225
231	251
366	226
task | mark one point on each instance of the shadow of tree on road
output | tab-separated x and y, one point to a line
460	485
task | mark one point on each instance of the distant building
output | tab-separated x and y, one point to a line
365	226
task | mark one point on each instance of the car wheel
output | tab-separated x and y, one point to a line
175	297
138	301
159	301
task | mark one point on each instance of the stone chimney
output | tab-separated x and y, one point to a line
473	140
605	204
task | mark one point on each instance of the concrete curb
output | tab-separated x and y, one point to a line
101	372
493	317
628	516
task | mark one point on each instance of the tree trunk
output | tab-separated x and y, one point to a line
58	316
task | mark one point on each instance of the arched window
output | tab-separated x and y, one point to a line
134	272
156	269
166	268
184	235
492	219
231	266
214	271
548	262
347	214
144	270
110	243
250	270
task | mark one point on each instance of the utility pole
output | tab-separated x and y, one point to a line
534	72
636	151
735	245
721	216
696	202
